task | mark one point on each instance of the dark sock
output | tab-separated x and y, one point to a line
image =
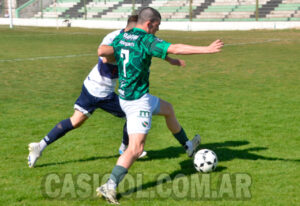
181	137
58	131
125	135
118	173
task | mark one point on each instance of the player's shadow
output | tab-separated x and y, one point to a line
186	169
77	160
226	151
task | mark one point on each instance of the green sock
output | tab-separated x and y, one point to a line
181	137
118	173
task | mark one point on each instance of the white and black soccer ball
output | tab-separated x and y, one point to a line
205	160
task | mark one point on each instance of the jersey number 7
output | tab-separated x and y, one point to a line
125	57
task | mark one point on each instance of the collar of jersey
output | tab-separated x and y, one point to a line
138	29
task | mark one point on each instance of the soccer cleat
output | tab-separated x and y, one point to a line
34	153
109	194
123	148
191	146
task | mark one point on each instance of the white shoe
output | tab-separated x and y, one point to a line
124	147
34	153
109	194
144	153
191	146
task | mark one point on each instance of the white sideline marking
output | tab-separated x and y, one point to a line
46	57
80	55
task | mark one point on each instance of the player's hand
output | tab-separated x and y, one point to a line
215	46
109	59
178	62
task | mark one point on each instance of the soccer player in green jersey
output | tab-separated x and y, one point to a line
133	51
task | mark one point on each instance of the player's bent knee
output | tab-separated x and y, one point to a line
166	108
170	109
77	122
78	118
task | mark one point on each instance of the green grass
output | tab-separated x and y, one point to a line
245	103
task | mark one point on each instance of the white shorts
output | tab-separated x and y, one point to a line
139	113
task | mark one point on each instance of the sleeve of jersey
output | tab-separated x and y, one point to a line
108	39
158	47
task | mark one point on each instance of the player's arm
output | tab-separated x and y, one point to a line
188	49
107	52
176	62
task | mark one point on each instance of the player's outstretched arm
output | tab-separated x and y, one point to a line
214	47
176	62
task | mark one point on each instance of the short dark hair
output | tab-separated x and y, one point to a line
132	18
148	14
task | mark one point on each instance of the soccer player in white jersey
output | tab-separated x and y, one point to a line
133	51
97	92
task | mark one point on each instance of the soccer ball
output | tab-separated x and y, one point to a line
205	160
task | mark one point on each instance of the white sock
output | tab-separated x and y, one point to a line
43	144
111	184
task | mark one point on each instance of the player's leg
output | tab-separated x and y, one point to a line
78	118
125	142
166	110
139	116
75	121
112	106
83	109
125	161
60	129
134	150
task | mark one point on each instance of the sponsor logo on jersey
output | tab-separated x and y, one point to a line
127	43
144	113
130	36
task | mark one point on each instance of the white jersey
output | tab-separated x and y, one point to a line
102	80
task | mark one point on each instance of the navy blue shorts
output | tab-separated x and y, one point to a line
87	103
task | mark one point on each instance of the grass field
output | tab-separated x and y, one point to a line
244	102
